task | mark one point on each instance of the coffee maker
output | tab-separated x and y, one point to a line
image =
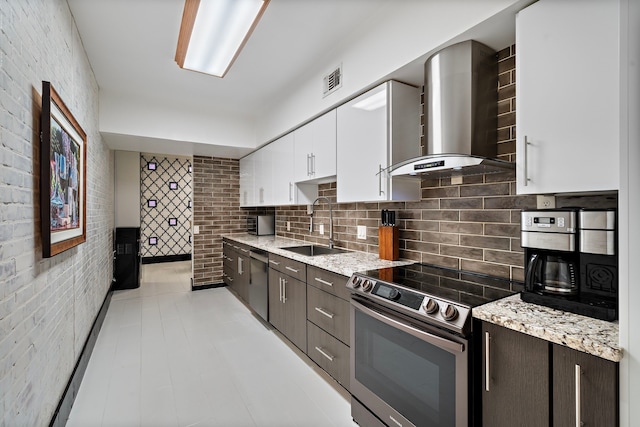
571	260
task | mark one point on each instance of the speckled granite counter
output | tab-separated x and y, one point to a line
593	336
346	263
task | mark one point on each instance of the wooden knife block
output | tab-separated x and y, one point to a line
388	242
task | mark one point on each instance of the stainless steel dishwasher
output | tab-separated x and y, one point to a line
259	283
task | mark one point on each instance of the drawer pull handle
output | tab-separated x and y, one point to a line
324	282
244	250
325	354
292	269
324	312
274	262
578	411
487	366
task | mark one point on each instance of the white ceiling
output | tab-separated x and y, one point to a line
131	47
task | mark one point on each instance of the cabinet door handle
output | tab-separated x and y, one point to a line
291	191
240	264
487	365
284	290
380	192
262	195
324	282
313	164
280	284
578	374
308	164
526	161
324	312
325	354
292	269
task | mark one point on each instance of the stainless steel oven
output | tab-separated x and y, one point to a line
405	373
412	346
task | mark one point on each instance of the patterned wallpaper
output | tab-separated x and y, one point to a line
165	205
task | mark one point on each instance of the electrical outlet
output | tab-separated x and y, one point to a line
321	229
545	201
362	232
456	180
288	225
196	229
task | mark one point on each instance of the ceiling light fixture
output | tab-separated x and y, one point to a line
213	32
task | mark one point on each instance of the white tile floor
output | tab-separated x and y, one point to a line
167	356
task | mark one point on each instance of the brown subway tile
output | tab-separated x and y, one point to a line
440	192
421	246
462	252
503	257
485	216
511	202
497	189
422	225
443	261
504	53
486	268
507	64
461	227
440	215
486	242
504	106
508	119
461	203
503	230
437	237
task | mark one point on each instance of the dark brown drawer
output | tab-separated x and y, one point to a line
329	353
328	312
328	281
290	267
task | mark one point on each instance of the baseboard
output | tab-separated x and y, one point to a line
208	286
63	410
165	258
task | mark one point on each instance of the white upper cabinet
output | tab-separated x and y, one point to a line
375	130
315	149
247	192
284	189
567	97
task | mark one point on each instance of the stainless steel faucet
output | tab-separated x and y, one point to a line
331	242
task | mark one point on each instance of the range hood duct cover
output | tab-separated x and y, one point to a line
460	112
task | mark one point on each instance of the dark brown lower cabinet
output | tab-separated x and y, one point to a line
531	382
584	387
288	307
515	379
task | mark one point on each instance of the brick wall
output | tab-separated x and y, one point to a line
47	306
216	210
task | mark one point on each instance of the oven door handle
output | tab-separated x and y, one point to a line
443	343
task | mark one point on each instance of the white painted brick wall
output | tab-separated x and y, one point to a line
47	307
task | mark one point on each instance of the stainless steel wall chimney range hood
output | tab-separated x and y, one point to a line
460	111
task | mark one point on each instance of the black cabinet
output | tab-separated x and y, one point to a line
584	387
515	378
126	269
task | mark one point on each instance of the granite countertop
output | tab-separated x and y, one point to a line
345	263
592	336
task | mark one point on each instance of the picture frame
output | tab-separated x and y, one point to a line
63	176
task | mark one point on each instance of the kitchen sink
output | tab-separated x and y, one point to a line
313	250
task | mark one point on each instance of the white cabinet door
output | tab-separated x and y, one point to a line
263	178
247	193
283	188
375	130
567	97
315	149
362	147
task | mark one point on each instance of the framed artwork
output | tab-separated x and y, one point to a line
63	176
173	185
173	221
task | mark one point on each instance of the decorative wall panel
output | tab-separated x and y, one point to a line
165	206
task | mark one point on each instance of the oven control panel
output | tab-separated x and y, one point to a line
417	304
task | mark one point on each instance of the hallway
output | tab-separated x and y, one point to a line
167	356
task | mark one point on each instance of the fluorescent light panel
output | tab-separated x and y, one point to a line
213	33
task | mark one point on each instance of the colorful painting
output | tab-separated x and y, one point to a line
62	176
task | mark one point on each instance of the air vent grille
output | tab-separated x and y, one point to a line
332	81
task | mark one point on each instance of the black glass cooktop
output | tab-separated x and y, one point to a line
465	287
